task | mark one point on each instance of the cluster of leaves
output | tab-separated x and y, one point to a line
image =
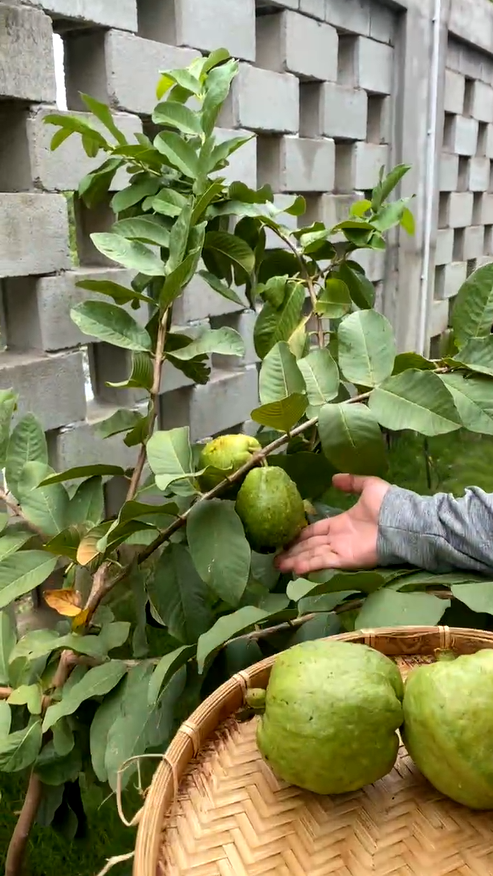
186	601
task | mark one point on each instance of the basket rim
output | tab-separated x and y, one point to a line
228	698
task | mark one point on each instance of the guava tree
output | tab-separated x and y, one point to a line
164	601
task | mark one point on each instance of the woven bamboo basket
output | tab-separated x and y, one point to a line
215	809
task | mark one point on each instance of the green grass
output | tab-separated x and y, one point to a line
455	462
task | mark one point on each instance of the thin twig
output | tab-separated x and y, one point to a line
112	862
159	358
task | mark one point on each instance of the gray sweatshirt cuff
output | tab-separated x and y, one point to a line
437	533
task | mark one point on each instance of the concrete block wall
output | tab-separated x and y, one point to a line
465	211
330	89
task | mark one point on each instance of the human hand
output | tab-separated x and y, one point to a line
348	541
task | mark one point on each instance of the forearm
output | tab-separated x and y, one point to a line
437	533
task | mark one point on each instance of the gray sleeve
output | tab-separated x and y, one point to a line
437	533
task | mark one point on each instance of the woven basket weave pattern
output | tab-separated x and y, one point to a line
216	809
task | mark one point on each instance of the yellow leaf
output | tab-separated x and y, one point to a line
65	602
87	550
80	620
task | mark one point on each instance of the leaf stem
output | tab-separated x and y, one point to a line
310	285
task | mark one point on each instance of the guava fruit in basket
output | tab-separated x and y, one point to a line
448	726
271	509
330	716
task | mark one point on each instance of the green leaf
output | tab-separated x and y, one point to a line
311	472
351	439
477	596
366	348
147	229
223	150
389	608
44	506
134	194
281	415
334	582
184	78
121	421
170	456
387	184
360	288
219	548
141	376
391	215
95	683
8	404
178	152
128	253
473	398
74	125
321	377
87	503
278	324
119	294
179	278
5	719
472	314
84	471
176	115
223	341
334	300
140	724
11	541
231	247
217	88
407	222
21	748
23	572
224	629
27	444
7	643
477	355
54	769
325	624
405	361
165	669
168	203
416	400
179	595
103	113
106	716
280	375
111	324
39	643
63	737
29	695
221	288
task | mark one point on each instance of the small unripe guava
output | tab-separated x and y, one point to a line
223	456
271	509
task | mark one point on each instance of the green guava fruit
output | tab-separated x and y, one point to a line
448	726
223	456
271	509
330	716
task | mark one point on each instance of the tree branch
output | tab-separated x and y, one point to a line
159	358
20	836
255	459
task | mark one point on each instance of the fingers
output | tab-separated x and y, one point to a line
322	527
316	542
348	483
309	561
